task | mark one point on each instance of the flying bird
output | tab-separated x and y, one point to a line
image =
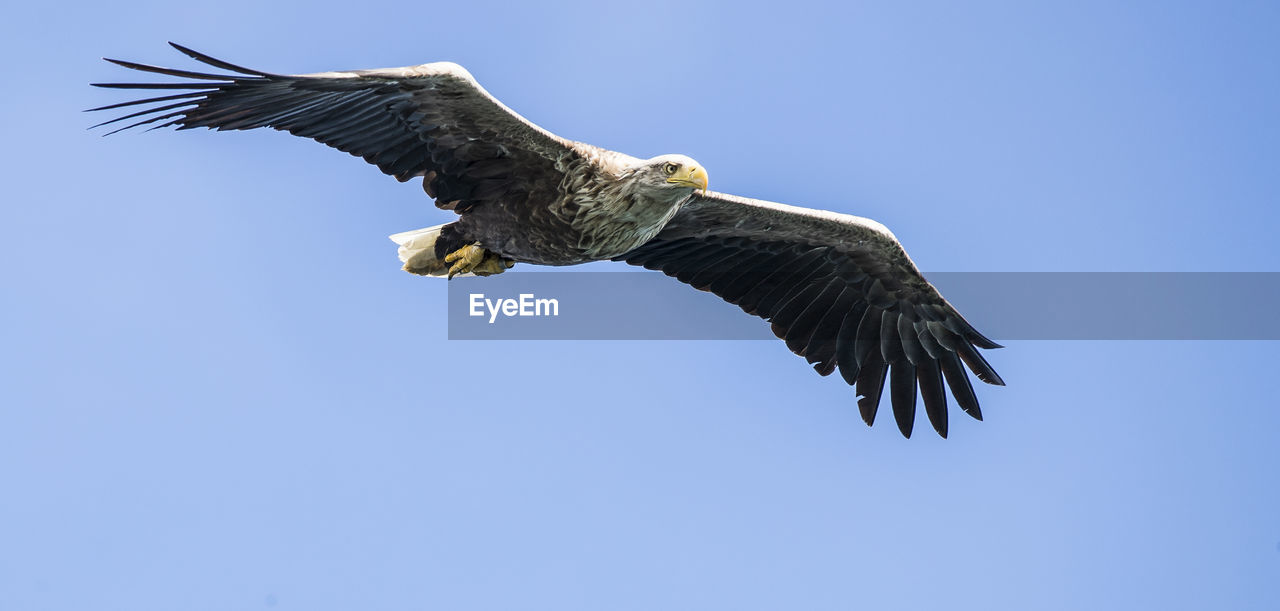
838	289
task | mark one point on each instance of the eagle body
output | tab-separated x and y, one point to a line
838	289
593	213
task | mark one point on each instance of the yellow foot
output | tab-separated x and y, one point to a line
474	259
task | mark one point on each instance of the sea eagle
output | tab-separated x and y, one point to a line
839	289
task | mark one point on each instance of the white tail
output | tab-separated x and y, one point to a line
418	252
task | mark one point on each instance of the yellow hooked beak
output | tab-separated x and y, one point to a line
690	176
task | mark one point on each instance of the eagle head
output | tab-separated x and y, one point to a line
669	176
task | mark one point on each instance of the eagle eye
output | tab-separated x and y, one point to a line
669	168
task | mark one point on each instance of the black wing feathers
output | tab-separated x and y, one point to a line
408	122
840	310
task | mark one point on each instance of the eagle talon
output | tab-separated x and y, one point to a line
474	259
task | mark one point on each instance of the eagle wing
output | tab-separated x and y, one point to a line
841	292
431	120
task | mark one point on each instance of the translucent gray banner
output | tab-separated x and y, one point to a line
1003	305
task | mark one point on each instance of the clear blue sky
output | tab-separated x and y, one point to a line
218	391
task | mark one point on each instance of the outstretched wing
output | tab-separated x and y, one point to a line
432	120
838	289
